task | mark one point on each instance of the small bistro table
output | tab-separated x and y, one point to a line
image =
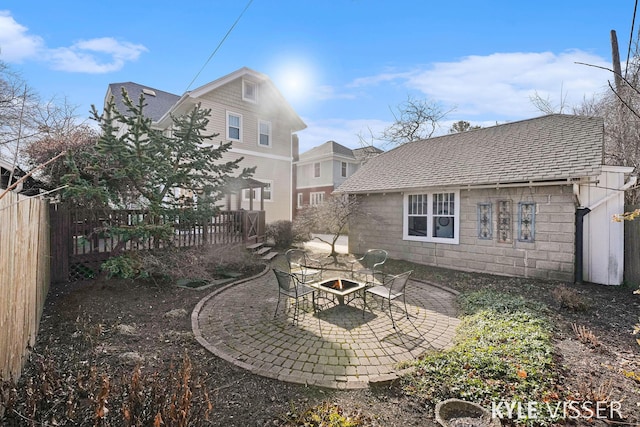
339	287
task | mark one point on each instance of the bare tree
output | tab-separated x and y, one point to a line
330	217
414	120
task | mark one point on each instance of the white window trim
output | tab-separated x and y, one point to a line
268	123
300	199
245	192
428	238
344	166
319	170
246	83
313	196
231	113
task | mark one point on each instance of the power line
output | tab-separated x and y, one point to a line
633	21
220	44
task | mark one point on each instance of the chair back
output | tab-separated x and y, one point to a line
399	283
374	258
296	258
286	281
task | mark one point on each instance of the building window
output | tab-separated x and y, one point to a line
343	169
266	192
432	217
316	170
249	91
300	200
316	198
485	221
264	133
234	126
526	221
504	221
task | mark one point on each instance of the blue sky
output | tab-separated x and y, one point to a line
342	64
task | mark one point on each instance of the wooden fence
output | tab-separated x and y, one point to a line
632	248
24	277
80	242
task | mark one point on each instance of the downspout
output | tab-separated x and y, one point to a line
581	212
579	262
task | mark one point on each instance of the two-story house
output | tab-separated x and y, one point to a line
248	110
322	169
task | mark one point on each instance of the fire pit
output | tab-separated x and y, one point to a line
339	287
340	284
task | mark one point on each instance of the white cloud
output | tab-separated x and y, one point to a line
101	55
98	55
16	44
499	86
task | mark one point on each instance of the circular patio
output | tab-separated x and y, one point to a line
339	346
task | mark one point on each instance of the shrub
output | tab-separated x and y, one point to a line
325	415
569	298
202	263
284	234
126	266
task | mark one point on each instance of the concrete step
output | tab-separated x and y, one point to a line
255	246
270	256
263	250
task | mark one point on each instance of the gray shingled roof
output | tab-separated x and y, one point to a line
156	105
329	147
553	147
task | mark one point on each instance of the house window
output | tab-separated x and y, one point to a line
432	217
300	199
316	170
485	221
504	221
316	198
344	170
264	133
234	126
266	192
249	91
526	221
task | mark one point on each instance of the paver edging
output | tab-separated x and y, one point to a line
195	324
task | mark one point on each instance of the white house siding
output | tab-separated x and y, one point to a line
272	163
550	256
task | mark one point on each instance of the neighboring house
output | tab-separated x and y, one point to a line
530	198
248	110
322	169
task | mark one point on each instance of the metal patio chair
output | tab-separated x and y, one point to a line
290	286
393	288
370	264
307	269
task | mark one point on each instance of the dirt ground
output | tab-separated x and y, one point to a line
109	327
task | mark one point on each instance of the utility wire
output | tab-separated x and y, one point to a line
633	21
220	44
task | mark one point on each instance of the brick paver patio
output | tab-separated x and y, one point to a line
337	347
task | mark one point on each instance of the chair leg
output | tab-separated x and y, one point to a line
277	305
404	300
393	322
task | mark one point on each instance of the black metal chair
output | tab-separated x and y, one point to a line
371	264
307	269
290	286
393	288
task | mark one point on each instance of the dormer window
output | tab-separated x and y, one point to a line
249	91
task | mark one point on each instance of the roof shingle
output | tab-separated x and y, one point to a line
551	147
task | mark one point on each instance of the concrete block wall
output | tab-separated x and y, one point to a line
549	256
